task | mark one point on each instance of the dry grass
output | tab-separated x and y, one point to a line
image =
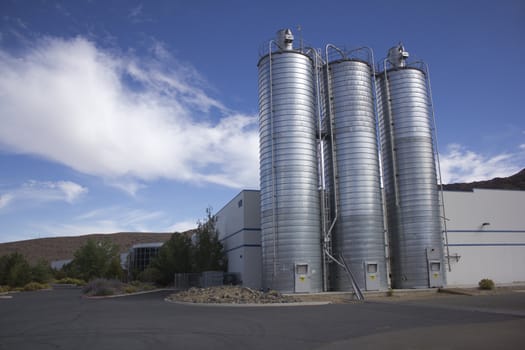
59	248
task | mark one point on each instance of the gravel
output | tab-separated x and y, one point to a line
231	295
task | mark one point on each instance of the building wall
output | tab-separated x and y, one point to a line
486	236
239	227
495	251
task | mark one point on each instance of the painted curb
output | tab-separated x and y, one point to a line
122	295
304	303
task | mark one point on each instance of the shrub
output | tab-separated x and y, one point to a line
486	284
4	289
151	274
41	272
14	270
102	287
130	289
174	257
143	285
95	259
69	280
32	286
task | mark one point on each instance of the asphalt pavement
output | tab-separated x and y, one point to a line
63	319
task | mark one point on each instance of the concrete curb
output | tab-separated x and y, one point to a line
309	303
123	295
456	291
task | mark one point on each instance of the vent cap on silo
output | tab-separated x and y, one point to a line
285	39
397	56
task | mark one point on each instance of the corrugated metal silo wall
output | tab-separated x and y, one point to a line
409	175
359	231
290	209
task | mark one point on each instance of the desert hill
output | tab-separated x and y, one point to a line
59	248
514	182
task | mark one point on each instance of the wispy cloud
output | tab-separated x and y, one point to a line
5	199
182	226
137	15
36	192
459	164
127	185
135	11
129	120
109	220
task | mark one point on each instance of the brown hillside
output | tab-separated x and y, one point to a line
58	248
514	182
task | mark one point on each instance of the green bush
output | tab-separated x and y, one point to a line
180	255
103	287
486	284
14	270
4	289
69	280
41	272
142	286
151	275
95	259
130	289
32	286
59	274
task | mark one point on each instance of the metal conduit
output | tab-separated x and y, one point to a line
317	67
332	139
274	196
445	231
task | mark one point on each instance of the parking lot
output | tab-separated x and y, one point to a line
62	319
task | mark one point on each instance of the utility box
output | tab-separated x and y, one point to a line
435	268
372	281
302	278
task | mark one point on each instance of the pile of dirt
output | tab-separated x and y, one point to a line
231	295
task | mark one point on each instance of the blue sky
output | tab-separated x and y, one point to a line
137	116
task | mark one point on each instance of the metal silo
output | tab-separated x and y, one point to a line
290	209
409	173
352	169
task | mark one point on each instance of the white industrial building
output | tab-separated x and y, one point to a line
485	231
486	236
239	228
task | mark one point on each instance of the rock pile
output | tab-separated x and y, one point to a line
231	295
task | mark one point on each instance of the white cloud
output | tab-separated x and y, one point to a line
120	117
36	192
459	164
128	186
5	199
182	226
70	189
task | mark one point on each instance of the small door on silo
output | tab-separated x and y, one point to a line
435	270
302	278
371	275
